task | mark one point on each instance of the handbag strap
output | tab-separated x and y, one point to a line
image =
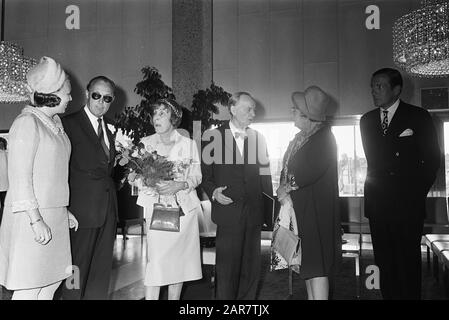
159	201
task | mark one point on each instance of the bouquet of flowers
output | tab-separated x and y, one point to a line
150	167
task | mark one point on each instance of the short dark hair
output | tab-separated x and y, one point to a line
100	78
393	75
170	104
46	100
3	143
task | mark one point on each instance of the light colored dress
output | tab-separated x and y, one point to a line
38	159
174	256
3	170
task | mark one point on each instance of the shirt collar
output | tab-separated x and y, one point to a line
392	109
234	129
93	118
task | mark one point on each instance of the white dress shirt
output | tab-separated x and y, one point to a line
391	111
94	121
240	140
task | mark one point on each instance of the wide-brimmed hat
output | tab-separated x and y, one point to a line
46	77
312	102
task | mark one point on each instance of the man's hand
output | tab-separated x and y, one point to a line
220	197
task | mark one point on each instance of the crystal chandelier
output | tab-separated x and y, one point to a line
13	69
421	40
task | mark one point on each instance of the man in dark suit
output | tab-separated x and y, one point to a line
93	198
236	172
402	152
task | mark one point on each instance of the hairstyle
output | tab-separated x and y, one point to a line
236	97
45	100
173	106
3	143
100	78
393	75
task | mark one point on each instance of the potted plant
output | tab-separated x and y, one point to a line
135	122
204	106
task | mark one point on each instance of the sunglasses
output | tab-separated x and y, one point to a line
96	96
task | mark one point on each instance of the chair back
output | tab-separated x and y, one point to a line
206	226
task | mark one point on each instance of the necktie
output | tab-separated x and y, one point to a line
385	122
101	138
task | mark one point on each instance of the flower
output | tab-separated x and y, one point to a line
149	167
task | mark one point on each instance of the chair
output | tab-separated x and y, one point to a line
353	224
445	256
436	227
208	232
129	213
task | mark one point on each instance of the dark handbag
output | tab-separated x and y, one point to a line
165	218
287	244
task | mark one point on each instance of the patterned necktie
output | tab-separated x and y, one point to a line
385	122
101	138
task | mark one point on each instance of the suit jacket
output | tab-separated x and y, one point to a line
245	179
401	170
92	189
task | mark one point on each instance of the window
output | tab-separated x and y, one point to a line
351	158
352	164
277	135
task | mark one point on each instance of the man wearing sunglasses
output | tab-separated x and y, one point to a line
93	198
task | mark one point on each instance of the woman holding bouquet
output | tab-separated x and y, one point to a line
173	257
34	235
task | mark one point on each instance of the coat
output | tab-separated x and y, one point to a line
37	172
316	205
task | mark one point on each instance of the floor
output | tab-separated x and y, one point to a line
129	269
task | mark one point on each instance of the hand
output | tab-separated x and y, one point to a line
285	200
42	232
281	193
73	223
220	197
169	187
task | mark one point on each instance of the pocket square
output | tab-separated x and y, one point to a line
406	133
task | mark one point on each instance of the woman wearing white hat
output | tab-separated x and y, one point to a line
34	235
309	180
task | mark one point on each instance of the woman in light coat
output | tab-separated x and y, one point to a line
173	257
34	235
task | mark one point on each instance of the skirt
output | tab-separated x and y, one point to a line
173	257
26	264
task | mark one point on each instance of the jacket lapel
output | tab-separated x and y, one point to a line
396	123
86	125
228	142
111	142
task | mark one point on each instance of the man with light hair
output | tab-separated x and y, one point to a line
235	182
